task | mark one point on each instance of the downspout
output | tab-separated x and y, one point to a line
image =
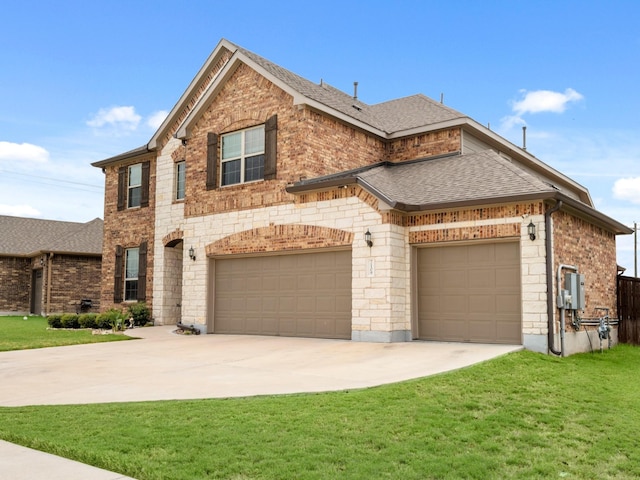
549	251
49	264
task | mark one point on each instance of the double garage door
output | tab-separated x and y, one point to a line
297	295
470	293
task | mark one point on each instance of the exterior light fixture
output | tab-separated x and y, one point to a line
192	254
367	238
531	230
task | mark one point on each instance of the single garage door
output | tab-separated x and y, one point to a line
298	295
470	293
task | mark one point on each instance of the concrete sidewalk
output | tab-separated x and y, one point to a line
165	366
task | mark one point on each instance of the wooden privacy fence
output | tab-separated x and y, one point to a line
629	310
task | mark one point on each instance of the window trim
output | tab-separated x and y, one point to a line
126	279
243	155
180	178
130	187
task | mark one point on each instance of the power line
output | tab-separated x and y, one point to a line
49	179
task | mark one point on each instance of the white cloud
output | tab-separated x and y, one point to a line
510	121
627	189
120	118
19	210
537	101
156	119
23	152
545	101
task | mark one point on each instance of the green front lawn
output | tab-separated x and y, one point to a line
523	415
19	334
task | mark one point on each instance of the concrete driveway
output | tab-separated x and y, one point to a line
164	366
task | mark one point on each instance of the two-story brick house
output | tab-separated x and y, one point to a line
268	204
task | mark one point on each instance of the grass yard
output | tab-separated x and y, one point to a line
19	334
523	415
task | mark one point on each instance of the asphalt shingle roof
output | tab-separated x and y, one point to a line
391	117
461	178
450	179
25	236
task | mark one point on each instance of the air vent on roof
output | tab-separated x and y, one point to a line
357	107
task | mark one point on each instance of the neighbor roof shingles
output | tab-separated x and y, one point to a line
24	236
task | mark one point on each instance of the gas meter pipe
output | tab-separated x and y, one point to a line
561	304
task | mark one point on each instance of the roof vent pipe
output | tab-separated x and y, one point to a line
442	98
355	90
524	137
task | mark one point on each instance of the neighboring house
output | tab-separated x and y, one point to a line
268	204
48	266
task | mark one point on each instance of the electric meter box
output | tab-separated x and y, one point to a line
574	284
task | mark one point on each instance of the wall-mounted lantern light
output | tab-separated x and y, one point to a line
192	254
531	230
367	238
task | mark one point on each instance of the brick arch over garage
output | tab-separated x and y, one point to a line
276	238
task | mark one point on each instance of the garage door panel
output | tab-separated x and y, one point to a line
453	304
481	255
484	278
470	293
451	279
507	303
508	278
481	303
291	295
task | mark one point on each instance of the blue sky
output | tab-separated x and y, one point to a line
82	81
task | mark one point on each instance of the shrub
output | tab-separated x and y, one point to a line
110	319
140	313
88	320
70	320
54	321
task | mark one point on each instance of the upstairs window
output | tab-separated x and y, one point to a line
134	192
243	156
180	179
133	186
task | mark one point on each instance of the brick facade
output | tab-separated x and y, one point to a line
73	278
66	279
593	251
127	228
15	278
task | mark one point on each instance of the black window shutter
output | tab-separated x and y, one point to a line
212	160
144	194
142	272
117	280
270	147
122	187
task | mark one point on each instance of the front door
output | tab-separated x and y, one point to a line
36	292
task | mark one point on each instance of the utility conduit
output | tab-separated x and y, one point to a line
549	255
